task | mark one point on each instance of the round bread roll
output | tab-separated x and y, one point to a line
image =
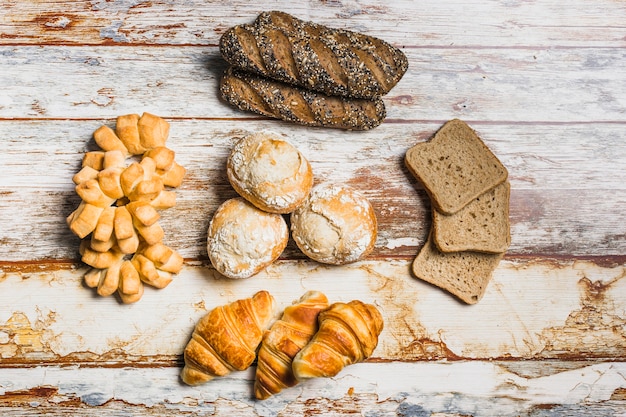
336	225
270	173
243	240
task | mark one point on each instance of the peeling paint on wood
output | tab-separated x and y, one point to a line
542	84
421	322
367	389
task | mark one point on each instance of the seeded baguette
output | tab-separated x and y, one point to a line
250	92
333	61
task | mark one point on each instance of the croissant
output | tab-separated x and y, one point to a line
348	333
283	341
226	339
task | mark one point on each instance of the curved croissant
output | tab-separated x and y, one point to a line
226	339
283	341
348	334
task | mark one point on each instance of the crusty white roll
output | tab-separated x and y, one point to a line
269	172
243	240
335	225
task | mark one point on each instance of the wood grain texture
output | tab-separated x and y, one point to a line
559	177
551	85
54	318
541	83
426	23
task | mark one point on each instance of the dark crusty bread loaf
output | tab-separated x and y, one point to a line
250	92
463	274
455	166
313	56
482	225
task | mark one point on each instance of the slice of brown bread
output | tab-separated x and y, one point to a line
455	166
463	274
482	225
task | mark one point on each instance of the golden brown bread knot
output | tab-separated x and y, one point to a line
283	341
118	214
226	339
348	333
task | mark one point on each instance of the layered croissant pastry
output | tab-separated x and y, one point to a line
227	338
348	333
283	341
311	339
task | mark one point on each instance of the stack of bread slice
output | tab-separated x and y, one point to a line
469	192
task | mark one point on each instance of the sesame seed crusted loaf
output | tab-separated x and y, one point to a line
455	166
482	225
463	274
333	61
251	92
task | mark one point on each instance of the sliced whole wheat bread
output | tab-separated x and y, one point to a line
482	225
463	274
455	167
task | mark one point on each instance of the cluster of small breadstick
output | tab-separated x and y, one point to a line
117	218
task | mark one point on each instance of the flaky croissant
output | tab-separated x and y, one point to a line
283	341
226	339
348	333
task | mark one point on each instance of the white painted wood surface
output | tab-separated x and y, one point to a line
542	82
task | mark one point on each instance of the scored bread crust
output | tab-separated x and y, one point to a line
463	274
483	225
242	239
269	172
336	225
329	60
250	92
455	166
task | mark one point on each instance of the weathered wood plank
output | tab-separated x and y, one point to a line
531	310
416	389
550	85
541	82
567	193
430	23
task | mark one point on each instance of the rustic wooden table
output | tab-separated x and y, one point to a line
542	82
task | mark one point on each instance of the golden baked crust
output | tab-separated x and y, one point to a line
336	225
242	239
226	339
117	217
282	342
269	172
348	333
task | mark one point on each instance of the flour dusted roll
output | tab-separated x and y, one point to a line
336	225
269	172
243	240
